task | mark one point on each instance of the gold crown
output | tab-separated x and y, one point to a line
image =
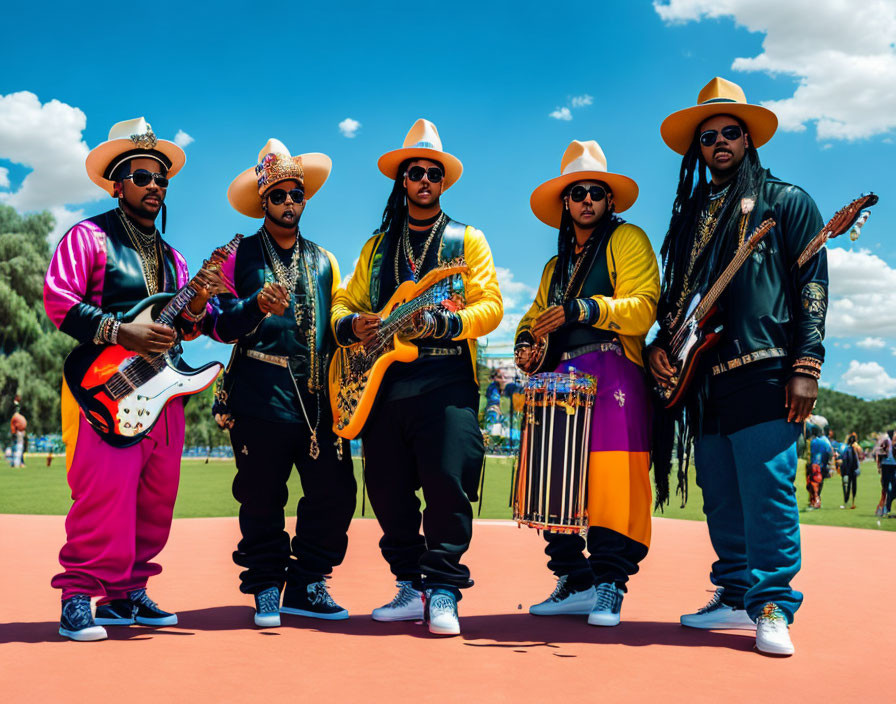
278	167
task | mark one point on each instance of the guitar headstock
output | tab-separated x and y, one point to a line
760	232
847	216
221	253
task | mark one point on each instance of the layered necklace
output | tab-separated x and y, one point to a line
406	249
287	276
146	245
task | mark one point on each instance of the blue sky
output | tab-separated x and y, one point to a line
489	75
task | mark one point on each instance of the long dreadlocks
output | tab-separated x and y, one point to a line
396	210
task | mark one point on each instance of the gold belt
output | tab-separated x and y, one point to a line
593	347
767	353
277	359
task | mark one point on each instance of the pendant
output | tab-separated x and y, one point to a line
314	450
339	449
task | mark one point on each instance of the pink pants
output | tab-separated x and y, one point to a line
123	504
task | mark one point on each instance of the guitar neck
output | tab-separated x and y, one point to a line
709	300
173	308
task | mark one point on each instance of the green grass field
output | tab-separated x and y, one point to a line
205	491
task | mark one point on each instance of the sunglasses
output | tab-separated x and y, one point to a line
278	196
416	173
578	193
729	132
142	178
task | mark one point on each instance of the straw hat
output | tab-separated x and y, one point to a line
422	142
582	161
718	97
276	164
127	140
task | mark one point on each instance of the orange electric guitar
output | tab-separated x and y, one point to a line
356	372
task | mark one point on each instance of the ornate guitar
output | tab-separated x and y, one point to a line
123	394
356	372
696	332
849	217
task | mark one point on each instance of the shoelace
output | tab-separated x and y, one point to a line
606	597
440	603
77	610
268	601
560	591
139	596
406	595
319	594
714	602
772	615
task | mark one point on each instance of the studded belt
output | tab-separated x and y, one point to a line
276	359
768	353
595	347
440	351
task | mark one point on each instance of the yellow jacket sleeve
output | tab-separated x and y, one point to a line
484	306
334	265
631	310
353	294
540	305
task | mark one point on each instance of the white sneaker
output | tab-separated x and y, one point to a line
607	606
564	601
772	632
406	606
441	612
718	615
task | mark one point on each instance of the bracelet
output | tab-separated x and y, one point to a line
194	317
810	362
103	330
808	371
113	332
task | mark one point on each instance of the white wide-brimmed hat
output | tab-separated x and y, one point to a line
422	142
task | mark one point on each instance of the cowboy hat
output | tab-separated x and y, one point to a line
127	140
276	164
582	161
718	97
422	142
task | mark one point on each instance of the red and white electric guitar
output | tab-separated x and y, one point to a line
123	394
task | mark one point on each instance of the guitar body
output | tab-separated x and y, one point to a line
125	413
356	373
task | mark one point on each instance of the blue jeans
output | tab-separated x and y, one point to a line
750	505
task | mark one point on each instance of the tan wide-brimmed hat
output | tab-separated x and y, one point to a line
129	139
582	161
718	97
422	142
276	164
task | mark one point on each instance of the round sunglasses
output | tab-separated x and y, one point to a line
278	196
729	132
578	193
416	173
142	178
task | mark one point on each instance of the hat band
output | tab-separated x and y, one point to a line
134	154
721	100
424	145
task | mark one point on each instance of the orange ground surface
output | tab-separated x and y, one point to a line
845	633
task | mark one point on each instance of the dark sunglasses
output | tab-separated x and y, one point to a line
278	196
142	178
416	173
729	132
578	193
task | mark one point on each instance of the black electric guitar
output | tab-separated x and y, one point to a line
123	394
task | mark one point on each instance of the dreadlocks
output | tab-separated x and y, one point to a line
396	210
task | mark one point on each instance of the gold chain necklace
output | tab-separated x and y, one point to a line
406	248
286	277
146	248
706	227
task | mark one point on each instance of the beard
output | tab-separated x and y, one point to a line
139	210
288	224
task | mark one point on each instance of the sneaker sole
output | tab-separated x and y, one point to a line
575	612
338	616
773	650
163	621
85	634
716	626
439	631
99	621
381	619
267	620
604	620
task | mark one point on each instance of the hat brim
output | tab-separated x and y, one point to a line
101	156
547	204
678	129
243	191
389	162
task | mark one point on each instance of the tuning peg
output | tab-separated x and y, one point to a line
857	228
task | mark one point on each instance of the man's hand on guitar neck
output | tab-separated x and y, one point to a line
662	371
365	326
146	339
800	397
552	319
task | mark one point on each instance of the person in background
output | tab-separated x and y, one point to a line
18	425
819	456
886	467
849	469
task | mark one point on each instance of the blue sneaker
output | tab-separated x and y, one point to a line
312	600
607	605
440	612
147	612
267	608
77	621
118	612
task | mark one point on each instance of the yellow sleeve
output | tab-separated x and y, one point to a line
353	294
631	310
334	265
484	306
541	301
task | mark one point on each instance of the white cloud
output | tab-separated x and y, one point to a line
561	114
893	350
506	331
515	293
840	53
871	343
862	294
349	127
64	218
47	139
182	139
4	177
867	379
581	100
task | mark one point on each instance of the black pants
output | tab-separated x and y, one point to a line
888	483
612	557
265	453
431	441
850	484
